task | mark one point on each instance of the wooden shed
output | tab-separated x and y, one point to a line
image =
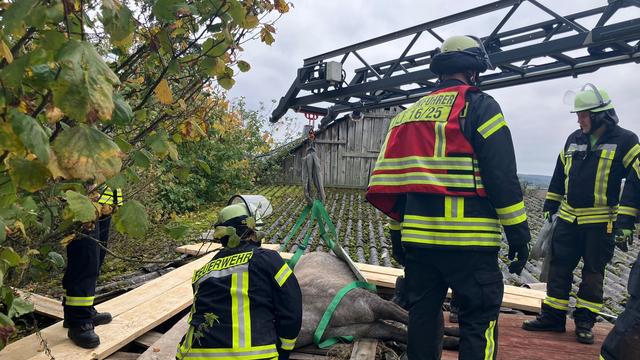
347	150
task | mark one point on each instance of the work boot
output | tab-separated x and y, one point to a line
545	322
583	332
99	318
84	336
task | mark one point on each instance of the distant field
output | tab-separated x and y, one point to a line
541	181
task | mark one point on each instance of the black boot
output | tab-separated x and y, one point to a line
99	318
583	332
84	336
545	322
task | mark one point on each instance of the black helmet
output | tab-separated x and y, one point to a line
460	54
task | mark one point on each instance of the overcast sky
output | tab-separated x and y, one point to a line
537	117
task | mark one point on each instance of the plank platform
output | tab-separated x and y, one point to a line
514	297
516	343
43	305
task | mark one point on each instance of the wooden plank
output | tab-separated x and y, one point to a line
165	347
330	141
364	349
42	304
359	155
357	162
121	355
147	339
135	313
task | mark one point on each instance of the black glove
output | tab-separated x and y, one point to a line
520	251
624	238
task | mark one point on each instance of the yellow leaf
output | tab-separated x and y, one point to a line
266	37
250	21
183	105
20	226
67	239
281	6
54	167
163	92
53	114
5	52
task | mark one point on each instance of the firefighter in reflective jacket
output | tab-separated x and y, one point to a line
584	191
622	342
447	173
84	260
247	302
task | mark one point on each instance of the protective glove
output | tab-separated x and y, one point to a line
624	238
520	251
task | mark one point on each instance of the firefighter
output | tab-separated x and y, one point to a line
584	190
247	302
447	173
84	261
622	342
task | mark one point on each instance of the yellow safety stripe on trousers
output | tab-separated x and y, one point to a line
420	178
248	353
489	336
440	141
602	176
453	206
78	300
283	274
287	344
470	225
240	310
628	210
559	304
512	215
435	163
553	196
631	155
394	225
492	125
589	305
450	239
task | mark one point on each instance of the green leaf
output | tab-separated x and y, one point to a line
131	219
9	256
19	307
3	232
122	144
84	88
237	11
117	182
56	259
87	153
29	175
166	9
177	232
5	320
8	193
204	166
31	134
81	207
159	144
243	66
212	66
118	22
226	82
122	113
13	18
173	151
142	158
52	40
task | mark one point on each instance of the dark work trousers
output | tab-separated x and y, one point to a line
84	260
475	278
623	342
570	243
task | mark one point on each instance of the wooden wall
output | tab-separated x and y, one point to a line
347	150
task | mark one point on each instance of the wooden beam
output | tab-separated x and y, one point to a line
121	355
360	155
165	347
147	339
42	304
364	349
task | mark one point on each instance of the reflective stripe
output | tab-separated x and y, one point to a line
575	147
451	239
287	344
283	274
222	273
594	215
492	125
435	163
512	215
591	306
79	300
106	197
631	155
561	156
553	196
240	310
249	353
394	225
490	348
453	206
446	223
440	141
628	210
602	176
559	304
419	178
185	347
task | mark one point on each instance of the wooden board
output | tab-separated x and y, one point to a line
165	347
364	349
147	339
135	313
121	355
42	304
514	297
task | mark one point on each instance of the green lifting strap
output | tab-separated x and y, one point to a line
328	313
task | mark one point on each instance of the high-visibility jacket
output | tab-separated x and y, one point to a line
585	186
111	197
630	199
447	172
247	305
